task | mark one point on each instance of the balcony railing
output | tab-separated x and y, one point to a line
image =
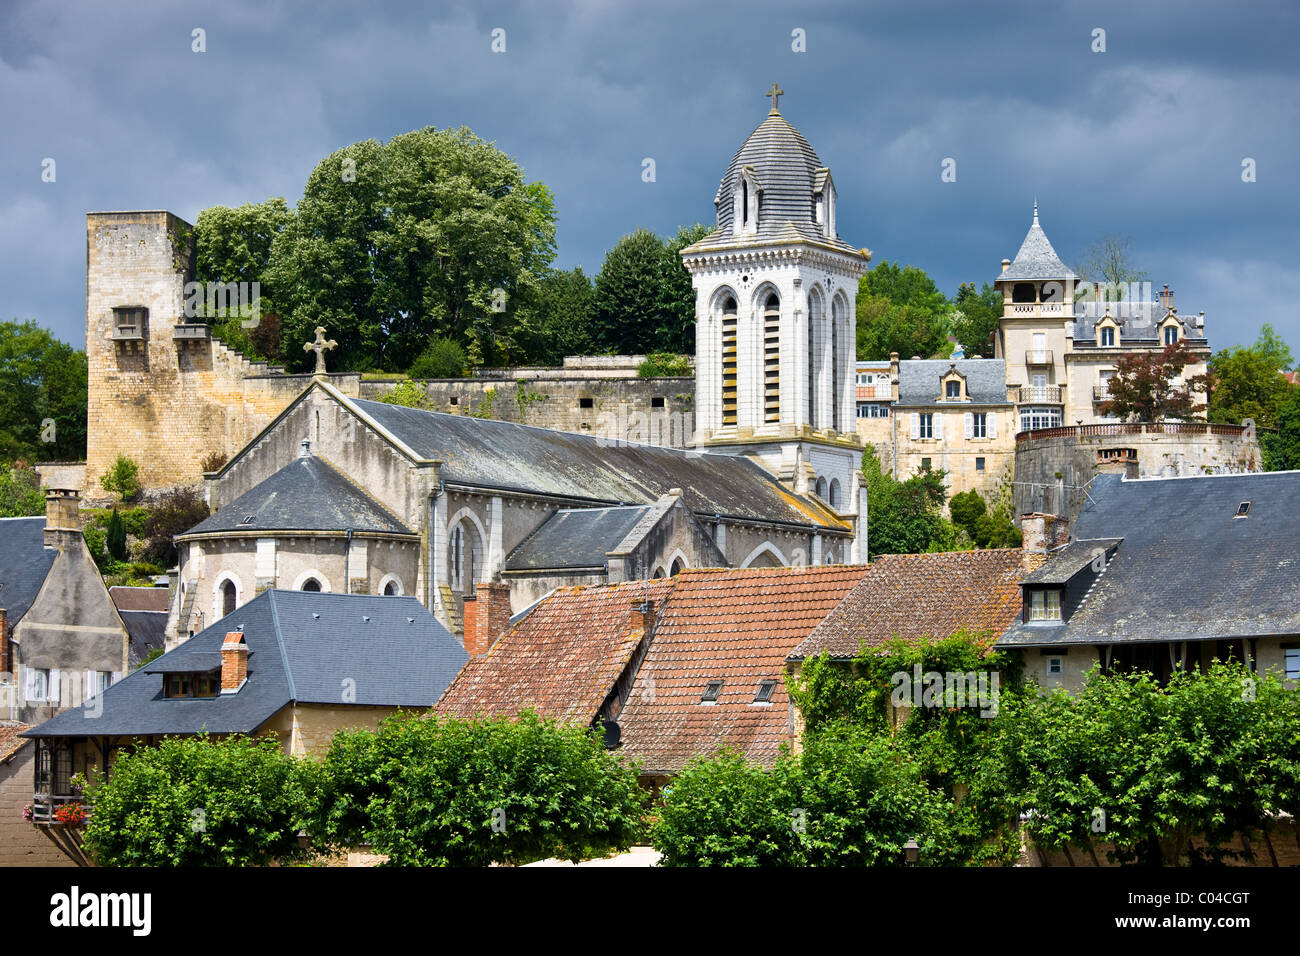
1038	357
45	807
1038	395
1134	428
1037	308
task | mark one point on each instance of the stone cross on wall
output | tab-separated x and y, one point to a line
319	347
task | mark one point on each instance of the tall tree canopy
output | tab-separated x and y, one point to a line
434	233
976	318
1248	381
42	395
628	298
900	310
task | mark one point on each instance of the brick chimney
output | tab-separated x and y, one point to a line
1043	535
486	616
62	516
234	662
643	615
1167	297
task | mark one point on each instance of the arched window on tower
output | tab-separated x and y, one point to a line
227	598
311	584
836	404
729	345
772	359
814	325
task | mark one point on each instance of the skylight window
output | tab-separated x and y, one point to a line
711	692
764	693
1243	510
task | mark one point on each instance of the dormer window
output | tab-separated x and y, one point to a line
952	390
1171	334
744	214
206	684
1044	605
1108	337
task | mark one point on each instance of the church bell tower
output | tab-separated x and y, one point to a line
775	288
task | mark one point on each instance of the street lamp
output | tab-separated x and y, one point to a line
911	852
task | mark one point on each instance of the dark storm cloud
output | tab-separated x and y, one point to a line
1144	140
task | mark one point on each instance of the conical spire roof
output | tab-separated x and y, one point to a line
1036	258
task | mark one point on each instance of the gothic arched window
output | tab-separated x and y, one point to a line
311	584
227	598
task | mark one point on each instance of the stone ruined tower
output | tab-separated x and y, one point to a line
775	324
161	390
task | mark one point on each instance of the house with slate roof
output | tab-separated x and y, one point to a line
144	612
299	665
62	639
1061	338
1164	574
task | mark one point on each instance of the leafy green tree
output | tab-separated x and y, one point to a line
906	517
234	245
435	233
848	799
115	540
122	478
410	394
559	321
628	297
196	801
444	358
723	811
42	395
1212	754
986	528
20	491
976	318
1248	381
173	513
900	310
676	332
429	791
1143	389
1282	451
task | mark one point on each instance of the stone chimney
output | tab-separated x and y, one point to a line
486	616
893	368
62	517
234	662
1043	535
643	615
1006	264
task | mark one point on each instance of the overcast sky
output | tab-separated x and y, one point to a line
1145	140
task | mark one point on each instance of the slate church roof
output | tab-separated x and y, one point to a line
487	454
306	647
575	538
305	495
24	564
1186	568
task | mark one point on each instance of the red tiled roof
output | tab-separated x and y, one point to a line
922	595
736	626
10	742
562	660
138	599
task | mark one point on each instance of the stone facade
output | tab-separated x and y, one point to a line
165	397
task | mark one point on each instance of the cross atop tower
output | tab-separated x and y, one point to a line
319	346
776	93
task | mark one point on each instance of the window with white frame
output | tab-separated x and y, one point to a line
872	410
979	425
1055	666
926	425
1108	336
1171	334
1034	416
1045	605
38	684
1291	661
